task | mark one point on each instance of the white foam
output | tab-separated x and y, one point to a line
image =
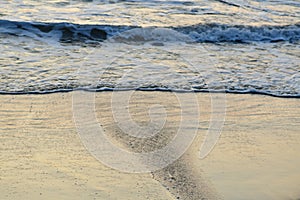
151	34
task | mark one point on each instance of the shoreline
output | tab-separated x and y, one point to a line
153	90
42	155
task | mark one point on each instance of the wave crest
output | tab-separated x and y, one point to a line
215	33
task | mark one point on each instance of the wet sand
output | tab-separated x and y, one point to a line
256	157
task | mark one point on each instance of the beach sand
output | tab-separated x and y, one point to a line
256	157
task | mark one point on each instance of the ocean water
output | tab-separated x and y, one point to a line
238	46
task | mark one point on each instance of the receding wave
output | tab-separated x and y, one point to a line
157	81
68	32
